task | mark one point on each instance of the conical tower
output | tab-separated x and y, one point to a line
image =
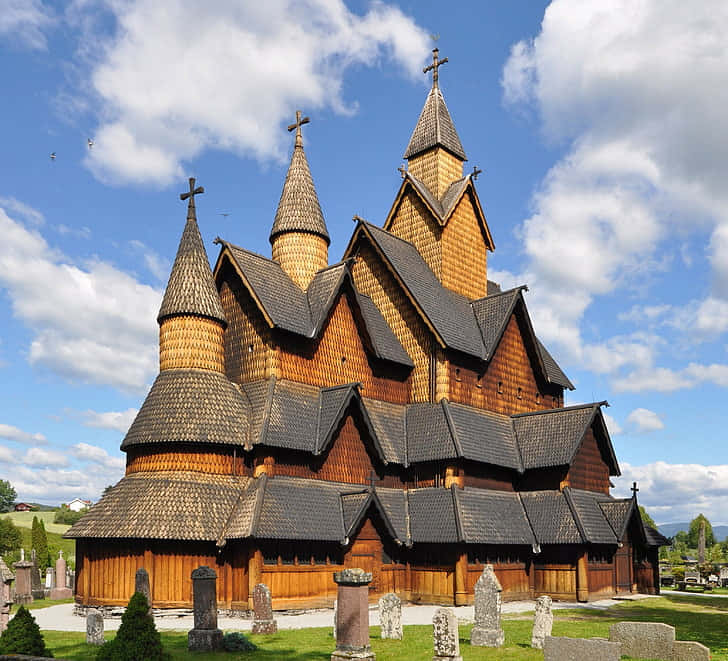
434	154
191	320
299	237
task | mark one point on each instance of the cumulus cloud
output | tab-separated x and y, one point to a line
613	426
7	456
96	455
644	420
90	322
118	420
56	485
10	433
678	492
635	92
42	457
663	379
25	21
170	87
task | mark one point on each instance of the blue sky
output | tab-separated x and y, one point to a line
599	125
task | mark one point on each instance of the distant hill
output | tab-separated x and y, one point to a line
669	529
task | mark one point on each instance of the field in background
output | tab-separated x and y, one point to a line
25	520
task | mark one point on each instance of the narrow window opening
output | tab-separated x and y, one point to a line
500	387
457	374
519	394
250	348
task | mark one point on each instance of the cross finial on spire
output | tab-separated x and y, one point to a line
300	121
402	170
372	476
634	490
191	195
476	172
436	63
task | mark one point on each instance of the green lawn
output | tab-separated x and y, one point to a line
55	542
25	520
695	618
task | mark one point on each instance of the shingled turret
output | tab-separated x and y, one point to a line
299	236
435	154
191	319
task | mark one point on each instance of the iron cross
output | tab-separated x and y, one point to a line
475	174
436	63
634	489
191	195
299	123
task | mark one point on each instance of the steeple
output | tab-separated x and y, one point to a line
434	153
299	237
191	319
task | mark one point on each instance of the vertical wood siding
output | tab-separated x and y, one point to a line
588	470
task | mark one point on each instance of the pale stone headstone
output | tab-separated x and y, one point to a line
580	649
352	619
36	588
644	640
487	630
61	591
263	621
689	650
6	598
50	578
205	637
543	622
445	636
141	584
94	627
336	609
23	570
390	616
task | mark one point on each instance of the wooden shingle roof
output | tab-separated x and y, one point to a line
435	128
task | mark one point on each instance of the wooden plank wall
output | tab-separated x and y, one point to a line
588	470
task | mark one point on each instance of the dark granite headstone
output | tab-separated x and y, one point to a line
23	586
263	621
205	637
352	618
36	587
141	584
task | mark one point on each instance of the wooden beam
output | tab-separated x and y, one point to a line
255	572
461	573
582	577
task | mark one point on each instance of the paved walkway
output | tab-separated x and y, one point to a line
61	618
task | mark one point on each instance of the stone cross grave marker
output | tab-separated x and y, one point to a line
487	630
390	616
263	621
61	591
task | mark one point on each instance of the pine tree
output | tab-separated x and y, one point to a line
34	535
137	637
23	636
41	549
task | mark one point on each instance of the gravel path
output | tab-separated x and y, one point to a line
61	618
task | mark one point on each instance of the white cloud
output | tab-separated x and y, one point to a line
169	86
118	420
644	420
53	486
662	379
97	455
613	426
635	91
10	433
157	265
44	457
27	213
7	456
92	323
678	492
26	22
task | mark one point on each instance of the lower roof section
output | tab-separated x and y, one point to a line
184	505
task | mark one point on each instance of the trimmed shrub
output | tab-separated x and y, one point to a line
23	636
238	642
137	638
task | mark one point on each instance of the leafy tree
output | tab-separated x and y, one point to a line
680	541
10	536
65	514
7	496
694	532
137	637
107	489
646	518
23	636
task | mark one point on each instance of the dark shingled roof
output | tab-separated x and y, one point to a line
351	506
432	516
589	516
552	437
299	209
395	505
163	505
193	406
493	314
618	513
444	207
428	434
434	128
553	371
550	517
191	288
655	537
286	306
388	422
493	517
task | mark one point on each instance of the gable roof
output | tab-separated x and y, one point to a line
618	512
285	306
589	516
434	128
550	517
553	437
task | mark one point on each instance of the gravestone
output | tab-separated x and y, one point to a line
390	616
94	627
336	609
543	621
36	587
141	584
487	630
23	590
445	636
6	598
205	637
263	621
689	650
50	578
644	640
580	649
61	591
352	618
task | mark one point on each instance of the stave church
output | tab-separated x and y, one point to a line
394	411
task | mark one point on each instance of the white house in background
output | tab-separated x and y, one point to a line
77	504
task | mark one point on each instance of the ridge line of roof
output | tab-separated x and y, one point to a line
462	537
575	515
560	409
259	495
451	426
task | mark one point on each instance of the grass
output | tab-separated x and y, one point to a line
55	542
695	618
25	520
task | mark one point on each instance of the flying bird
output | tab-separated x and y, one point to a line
53	156
90	143
225	214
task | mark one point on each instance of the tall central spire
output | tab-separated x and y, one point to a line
299	236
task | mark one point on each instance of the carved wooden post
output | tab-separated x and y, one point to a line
582	577
461	573
255	574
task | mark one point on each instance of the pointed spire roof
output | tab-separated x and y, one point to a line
299	209
435	127
191	287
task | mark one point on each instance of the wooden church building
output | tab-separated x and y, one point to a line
394	411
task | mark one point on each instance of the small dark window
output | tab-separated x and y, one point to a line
538	398
270	556
288	555
343	360
479	383
250	348
500	387
457	374
520	393
319	557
